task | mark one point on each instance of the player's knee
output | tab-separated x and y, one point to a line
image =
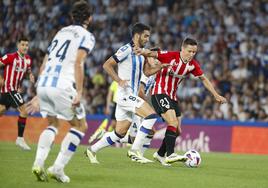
84	127
24	114
121	131
2	110
174	123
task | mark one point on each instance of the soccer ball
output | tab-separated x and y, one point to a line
194	159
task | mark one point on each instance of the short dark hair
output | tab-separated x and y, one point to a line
189	41
22	38
81	11
139	28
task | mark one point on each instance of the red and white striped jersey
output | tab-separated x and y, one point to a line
168	79
15	68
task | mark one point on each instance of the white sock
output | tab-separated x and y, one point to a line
108	139
143	131
124	139
46	139
146	145
68	148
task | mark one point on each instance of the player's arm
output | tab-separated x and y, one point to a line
142	91
145	52
108	66
211	89
43	64
152	66
2	81
79	74
108	101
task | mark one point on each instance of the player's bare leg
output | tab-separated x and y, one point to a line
45	142
68	148
2	109
144	130
108	139
21	127
168	144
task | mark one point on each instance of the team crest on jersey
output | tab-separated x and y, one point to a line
27	61
189	67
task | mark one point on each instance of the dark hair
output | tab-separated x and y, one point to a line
22	38
81	11
139	28
189	41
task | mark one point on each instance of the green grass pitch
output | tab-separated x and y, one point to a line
117	171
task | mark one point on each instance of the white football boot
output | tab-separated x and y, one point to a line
22	144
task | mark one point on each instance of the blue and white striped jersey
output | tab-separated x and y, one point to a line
148	82
62	52
130	67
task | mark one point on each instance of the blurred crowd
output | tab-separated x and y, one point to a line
232	36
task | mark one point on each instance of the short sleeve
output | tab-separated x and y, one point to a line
166	56
122	53
87	42
6	59
197	71
144	79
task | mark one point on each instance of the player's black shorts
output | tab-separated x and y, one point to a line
163	103
113	112
11	99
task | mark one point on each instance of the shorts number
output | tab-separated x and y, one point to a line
164	103
18	97
132	98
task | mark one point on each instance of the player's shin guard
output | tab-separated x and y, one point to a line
143	131
147	142
46	139
162	150
108	139
170	138
68	147
21	125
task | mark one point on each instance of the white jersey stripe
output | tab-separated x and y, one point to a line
174	79
18	74
5	89
12	75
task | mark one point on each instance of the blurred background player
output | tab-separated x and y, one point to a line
130	68
59	90
16	66
164	99
109	110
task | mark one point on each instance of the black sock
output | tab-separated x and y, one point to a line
162	149
170	137
21	126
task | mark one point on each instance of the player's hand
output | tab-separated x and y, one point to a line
107	111
141	51
123	83
33	106
220	99
77	100
32	78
